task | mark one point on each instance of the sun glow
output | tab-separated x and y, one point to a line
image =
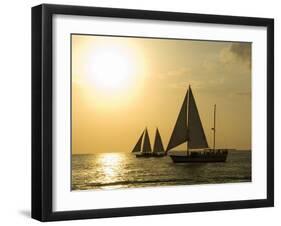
108	73
112	69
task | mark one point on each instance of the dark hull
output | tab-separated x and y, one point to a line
150	155
161	154
144	155
201	157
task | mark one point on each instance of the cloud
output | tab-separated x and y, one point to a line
181	78
237	52
202	77
241	50
184	85
246	93
176	73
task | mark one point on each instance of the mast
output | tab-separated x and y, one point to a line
179	135
214	129
158	145
146	143
196	136
187	132
188	127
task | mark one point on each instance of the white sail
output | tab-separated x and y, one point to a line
158	145
196	135
179	134
137	147
146	143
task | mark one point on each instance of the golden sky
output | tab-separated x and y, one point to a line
121	85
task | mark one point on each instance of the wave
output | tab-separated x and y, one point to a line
172	181
126	182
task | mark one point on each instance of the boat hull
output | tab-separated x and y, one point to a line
200	157
144	155
149	155
157	155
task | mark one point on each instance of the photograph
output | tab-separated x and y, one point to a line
149	112
144	112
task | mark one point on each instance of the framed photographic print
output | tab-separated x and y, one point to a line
145	112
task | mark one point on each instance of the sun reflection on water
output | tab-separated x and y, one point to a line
110	166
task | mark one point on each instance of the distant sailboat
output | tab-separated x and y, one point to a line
146	143
189	129
137	147
158	148
143	146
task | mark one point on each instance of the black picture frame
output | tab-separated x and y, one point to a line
42	111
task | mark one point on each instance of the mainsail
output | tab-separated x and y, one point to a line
137	147
188	127
146	143
179	134
158	145
196	135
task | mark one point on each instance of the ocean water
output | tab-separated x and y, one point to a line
124	170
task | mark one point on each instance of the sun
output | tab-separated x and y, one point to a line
112	69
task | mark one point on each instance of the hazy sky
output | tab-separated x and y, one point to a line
122	85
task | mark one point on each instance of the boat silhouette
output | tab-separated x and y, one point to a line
189	129
143	146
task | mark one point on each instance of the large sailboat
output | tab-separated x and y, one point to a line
189	129
143	146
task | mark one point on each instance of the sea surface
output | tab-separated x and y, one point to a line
124	170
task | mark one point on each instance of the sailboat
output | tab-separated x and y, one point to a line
189	129
143	150
143	146
158	148
137	147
